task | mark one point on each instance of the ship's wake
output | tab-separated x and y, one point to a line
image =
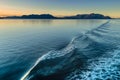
82	58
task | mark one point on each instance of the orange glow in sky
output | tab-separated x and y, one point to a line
58	8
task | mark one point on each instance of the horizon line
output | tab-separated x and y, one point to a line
60	15
56	15
51	14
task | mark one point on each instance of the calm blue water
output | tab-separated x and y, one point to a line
59	49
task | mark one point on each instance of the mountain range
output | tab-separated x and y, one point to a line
49	16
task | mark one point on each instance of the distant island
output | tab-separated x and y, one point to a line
49	16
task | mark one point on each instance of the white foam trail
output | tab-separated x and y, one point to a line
50	55
53	54
27	73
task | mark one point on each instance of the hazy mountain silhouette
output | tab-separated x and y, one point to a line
1	18
32	16
49	16
42	16
88	16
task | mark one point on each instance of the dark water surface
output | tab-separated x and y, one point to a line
59	49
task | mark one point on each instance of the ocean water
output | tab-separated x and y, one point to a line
59	49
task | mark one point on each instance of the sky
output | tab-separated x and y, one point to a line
59	7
